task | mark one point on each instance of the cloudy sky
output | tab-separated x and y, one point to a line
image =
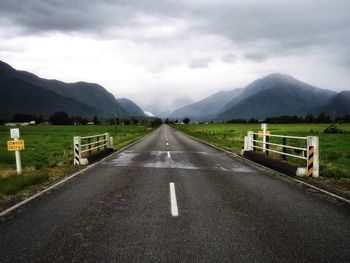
165	53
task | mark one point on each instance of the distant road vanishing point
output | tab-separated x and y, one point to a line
169	198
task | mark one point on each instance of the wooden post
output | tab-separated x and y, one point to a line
267	144
98	143
254	142
284	149
89	146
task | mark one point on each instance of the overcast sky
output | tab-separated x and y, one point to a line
170	52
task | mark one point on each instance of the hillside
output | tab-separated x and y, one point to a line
131	108
89	99
272	81
337	106
275	95
18	96
206	108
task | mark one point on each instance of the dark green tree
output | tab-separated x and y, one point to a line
60	118
186	120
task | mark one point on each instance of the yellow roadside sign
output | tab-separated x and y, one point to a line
260	133
17	145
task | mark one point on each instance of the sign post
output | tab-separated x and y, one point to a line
16	145
18	161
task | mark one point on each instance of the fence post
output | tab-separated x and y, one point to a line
267	140
284	149
254	142
250	144
98	143
111	142
245	148
312	156
108	142
89	142
77	150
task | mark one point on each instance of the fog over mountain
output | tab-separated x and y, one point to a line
207	108
165	104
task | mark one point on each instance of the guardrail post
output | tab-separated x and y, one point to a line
77	150
312	156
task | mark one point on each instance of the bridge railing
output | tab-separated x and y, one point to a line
87	146
304	148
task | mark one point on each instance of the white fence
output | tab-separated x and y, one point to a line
309	152
90	145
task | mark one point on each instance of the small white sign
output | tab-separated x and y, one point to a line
264	126
14	133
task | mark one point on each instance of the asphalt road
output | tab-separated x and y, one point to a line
169	198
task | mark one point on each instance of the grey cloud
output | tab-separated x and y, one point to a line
287	27
200	63
80	15
258	57
229	58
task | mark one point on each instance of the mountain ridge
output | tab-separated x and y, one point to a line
270	96
276	95
77	98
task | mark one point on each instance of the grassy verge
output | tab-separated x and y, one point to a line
334	148
48	154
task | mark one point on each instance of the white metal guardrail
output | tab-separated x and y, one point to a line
90	145
309	152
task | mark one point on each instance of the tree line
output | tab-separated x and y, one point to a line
321	118
62	118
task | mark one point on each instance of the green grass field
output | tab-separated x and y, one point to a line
334	148
48	151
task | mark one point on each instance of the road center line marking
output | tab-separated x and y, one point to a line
167	144
168	154
174	210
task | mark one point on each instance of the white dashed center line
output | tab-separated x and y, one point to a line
168	154
167	144
174	210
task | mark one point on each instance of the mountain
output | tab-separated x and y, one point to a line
18	96
131	108
206	108
338	105
270	81
275	95
43	97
